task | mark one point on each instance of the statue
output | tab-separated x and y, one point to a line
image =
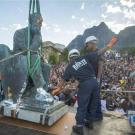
26	74
26	70
30	39
20	44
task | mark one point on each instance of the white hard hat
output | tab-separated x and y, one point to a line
73	52
92	39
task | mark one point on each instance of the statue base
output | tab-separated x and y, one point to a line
46	116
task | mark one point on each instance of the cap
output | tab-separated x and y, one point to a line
73	52
92	39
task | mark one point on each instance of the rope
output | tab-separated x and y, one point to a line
34	5
34	67
45	114
28	53
118	91
12	56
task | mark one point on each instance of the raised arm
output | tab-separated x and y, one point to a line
111	43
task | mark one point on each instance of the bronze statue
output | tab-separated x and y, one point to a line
27	67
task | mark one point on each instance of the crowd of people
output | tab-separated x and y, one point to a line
56	73
115	79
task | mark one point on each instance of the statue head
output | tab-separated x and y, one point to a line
35	23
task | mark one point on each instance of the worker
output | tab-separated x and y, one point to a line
80	68
91	46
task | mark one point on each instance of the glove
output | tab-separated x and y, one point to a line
112	42
56	91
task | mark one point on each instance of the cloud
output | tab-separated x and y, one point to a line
127	3
4	28
55	25
17	26
73	17
26	21
57	30
20	10
46	26
88	24
82	6
74	32
12	27
129	13
122	11
116	26
103	16
82	19
125	16
113	9
51	27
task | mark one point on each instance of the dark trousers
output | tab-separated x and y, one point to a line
87	101
98	113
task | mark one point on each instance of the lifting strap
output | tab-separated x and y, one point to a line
34	7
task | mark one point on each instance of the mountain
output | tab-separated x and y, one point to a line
127	37
104	34
57	46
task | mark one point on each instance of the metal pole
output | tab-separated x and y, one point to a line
118	91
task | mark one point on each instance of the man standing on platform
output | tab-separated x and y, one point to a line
91	46
81	69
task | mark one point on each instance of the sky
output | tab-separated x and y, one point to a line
65	19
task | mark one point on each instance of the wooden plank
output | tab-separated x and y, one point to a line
6	129
62	127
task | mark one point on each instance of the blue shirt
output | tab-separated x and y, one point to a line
81	68
95	63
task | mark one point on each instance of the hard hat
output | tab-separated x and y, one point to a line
73	52
92	39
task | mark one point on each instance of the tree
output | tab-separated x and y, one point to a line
65	55
129	50
83	51
53	58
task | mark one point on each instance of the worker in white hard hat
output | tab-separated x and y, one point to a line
91	46
73	54
81	69
91	39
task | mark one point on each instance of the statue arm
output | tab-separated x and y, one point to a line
19	41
